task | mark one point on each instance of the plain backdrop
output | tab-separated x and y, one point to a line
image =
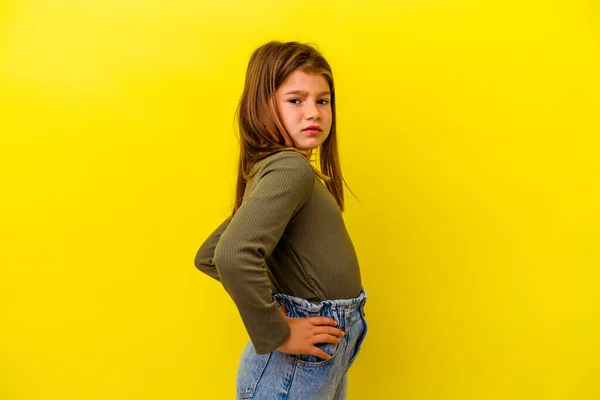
468	130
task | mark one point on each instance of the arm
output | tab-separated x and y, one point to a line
204	256
285	183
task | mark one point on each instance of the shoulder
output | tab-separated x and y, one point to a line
286	169
286	162
285	156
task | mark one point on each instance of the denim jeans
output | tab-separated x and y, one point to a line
283	376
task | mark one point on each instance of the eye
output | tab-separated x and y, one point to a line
325	101
292	100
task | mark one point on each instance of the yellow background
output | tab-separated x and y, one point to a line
468	131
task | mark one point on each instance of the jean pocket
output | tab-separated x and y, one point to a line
250	371
310	361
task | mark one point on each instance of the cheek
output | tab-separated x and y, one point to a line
290	121
293	116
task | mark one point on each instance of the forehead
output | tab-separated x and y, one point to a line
299	80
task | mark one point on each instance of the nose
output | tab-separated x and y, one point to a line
312	111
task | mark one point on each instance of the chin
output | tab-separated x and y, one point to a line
309	147
310	144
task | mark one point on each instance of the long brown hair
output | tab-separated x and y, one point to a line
261	130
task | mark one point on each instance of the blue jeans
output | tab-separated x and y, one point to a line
282	376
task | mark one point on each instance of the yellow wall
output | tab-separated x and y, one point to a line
469	132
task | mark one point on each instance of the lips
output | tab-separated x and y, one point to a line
313	128
312	132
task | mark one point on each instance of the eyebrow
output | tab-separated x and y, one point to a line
302	92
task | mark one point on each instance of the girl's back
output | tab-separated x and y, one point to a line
315	258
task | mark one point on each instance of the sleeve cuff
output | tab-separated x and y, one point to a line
270	347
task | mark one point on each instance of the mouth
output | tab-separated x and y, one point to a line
312	130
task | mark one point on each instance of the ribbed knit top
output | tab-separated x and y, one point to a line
289	236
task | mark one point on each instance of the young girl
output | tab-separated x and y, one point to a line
284	255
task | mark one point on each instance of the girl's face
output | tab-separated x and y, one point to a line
304	101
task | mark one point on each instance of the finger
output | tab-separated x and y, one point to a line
323	321
320	353
325	338
331	331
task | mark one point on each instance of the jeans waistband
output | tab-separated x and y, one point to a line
339	304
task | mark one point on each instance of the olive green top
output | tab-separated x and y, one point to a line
289	236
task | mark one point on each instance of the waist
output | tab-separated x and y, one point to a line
346	312
309	307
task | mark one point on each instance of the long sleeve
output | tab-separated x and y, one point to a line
204	256
283	184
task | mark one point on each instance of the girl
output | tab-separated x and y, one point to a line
284	255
